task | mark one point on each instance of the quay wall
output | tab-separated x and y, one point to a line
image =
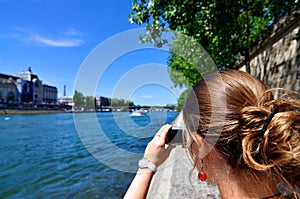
276	59
19	111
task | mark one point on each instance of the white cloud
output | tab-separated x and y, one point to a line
67	42
68	39
147	96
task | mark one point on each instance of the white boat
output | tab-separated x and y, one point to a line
138	113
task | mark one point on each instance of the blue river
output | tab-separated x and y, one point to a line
65	156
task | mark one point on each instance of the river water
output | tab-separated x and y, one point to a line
45	156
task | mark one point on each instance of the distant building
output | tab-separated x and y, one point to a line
102	101
24	88
66	101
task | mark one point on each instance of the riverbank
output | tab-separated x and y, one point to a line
28	111
49	111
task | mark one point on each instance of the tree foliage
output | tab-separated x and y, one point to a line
78	99
226	29
90	102
181	99
188	61
121	103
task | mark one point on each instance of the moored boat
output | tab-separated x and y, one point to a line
139	112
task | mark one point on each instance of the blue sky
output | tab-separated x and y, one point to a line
55	37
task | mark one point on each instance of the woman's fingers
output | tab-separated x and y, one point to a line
161	135
156	151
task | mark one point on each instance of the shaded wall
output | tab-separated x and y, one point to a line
276	60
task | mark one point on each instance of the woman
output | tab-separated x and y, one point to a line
240	139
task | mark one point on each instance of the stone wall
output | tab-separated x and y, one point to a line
276	60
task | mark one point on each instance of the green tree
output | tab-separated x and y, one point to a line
226	29
131	103
121	103
188	61
90	101
78	99
181	99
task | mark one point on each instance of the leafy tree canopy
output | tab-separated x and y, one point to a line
78	98
226	29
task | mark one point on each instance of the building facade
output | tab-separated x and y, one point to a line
26	88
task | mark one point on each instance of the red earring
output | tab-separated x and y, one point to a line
201	175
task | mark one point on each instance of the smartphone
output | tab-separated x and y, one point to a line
174	136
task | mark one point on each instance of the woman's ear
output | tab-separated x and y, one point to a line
199	148
203	146
199	139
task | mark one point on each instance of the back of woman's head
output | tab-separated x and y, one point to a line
235	112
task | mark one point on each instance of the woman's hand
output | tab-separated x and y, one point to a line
156	151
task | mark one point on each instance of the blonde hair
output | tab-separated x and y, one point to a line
229	108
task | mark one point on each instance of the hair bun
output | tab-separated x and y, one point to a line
270	140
